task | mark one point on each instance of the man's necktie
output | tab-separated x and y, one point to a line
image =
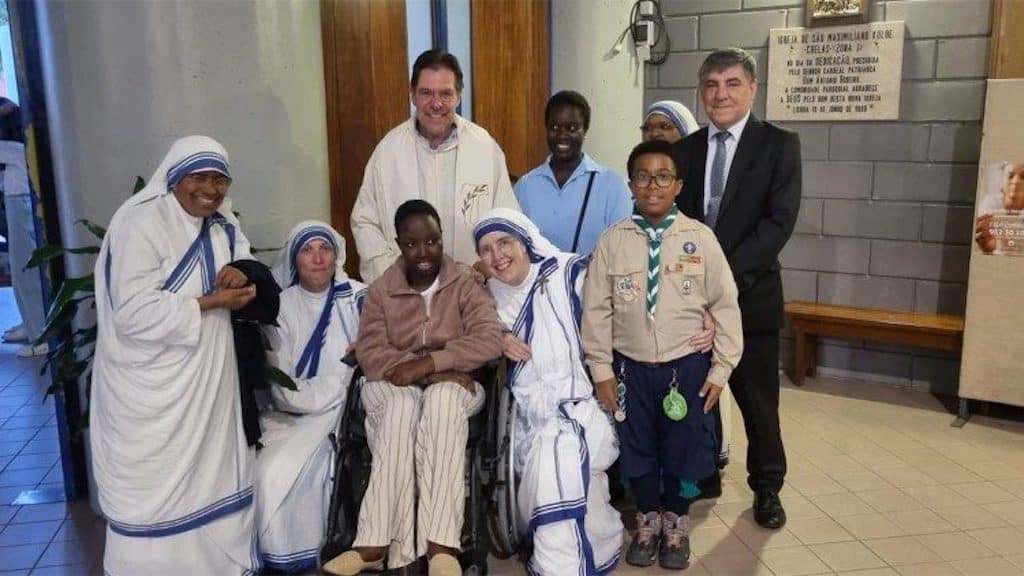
717	180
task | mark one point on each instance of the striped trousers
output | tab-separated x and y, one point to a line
418	441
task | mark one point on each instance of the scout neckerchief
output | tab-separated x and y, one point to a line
654	237
673	404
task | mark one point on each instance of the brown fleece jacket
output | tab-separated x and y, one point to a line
461	331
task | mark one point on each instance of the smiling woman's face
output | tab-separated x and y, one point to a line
419	239
506	257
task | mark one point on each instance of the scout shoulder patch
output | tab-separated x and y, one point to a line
626	288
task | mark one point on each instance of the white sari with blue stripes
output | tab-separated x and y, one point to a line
565	443
294	467
169	454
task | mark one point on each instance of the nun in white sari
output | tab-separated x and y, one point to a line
564	442
317	322
168	450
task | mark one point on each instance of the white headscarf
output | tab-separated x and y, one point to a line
286	273
679	114
510	299
187	155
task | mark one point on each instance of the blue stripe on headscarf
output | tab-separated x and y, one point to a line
303	238
671	115
485	227
198	162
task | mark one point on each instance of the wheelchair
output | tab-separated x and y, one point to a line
489	525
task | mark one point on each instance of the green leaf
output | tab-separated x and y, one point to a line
84	250
275	375
97	230
48	252
43	254
140	183
53	356
58	320
68	289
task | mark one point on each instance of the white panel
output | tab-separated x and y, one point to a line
125	79
582	34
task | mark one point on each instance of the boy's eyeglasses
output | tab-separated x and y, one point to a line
663	179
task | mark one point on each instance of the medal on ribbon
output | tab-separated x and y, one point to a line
620	390
674	404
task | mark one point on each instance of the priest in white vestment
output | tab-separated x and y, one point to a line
437	156
564	442
317	324
168	450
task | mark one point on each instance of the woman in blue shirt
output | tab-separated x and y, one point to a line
571	198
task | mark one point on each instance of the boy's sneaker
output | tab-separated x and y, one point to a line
675	542
644	547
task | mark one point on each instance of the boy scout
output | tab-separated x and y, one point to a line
651	278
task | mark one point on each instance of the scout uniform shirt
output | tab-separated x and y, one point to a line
695	277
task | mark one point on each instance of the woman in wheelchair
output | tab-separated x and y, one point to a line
426	324
317	322
564	442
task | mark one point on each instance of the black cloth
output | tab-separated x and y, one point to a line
250	343
759	209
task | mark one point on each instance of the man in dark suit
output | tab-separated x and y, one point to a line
742	178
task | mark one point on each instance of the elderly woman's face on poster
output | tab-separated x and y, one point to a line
1013	187
506	257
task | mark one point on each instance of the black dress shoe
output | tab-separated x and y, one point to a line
768	511
710	487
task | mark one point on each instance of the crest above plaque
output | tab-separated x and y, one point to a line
836	73
837	12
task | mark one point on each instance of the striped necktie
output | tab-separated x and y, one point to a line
654	238
717	180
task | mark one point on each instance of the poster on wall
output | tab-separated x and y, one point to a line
993	347
835	73
999	217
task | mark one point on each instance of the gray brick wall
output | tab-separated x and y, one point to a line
887	208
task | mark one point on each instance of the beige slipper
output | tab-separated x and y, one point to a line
351	563
444	565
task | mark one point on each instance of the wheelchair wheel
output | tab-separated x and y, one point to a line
350	475
502	510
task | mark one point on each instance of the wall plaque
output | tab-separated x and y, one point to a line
835	73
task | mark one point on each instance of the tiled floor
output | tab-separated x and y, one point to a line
879	484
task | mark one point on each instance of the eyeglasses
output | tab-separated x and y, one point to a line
216	179
445	96
643	179
663	126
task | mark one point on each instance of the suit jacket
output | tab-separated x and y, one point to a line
757	215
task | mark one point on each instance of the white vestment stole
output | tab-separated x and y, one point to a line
169	452
293	470
564	441
393	177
